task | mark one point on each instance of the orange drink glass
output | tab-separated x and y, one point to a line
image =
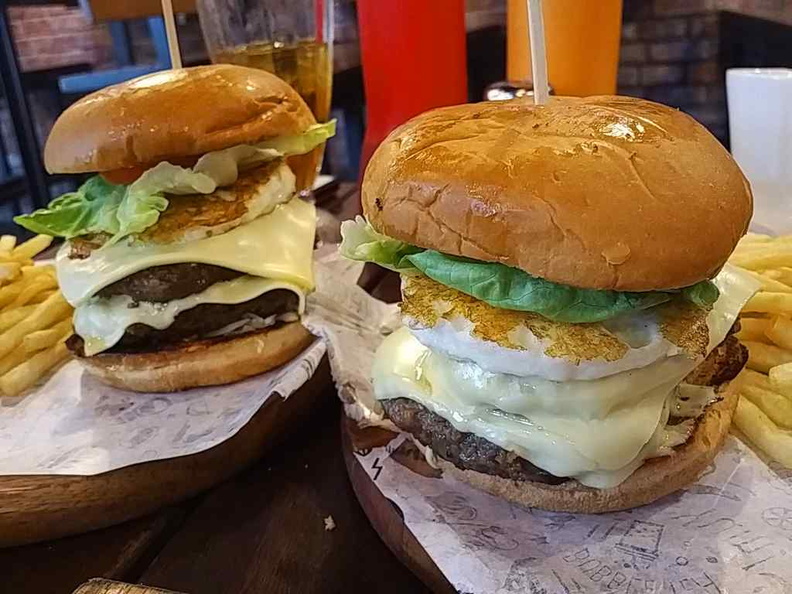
582	42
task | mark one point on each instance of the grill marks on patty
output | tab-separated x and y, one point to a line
467	451
169	282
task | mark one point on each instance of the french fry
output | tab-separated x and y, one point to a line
14	316
777	407
32	247
766	302
9	271
54	309
782	274
44	339
39	297
781	379
769	283
36	286
7	244
774	255
749	377
761	357
11	292
26	374
761	430
32	271
13	359
780	332
754	329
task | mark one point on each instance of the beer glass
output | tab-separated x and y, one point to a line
293	39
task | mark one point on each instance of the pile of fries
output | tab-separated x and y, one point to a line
764	412
35	319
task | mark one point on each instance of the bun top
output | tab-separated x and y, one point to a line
173	113
601	192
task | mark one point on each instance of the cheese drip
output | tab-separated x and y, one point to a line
277	246
102	322
596	431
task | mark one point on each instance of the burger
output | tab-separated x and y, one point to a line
568	315
188	252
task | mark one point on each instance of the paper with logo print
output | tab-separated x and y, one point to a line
74	424
731	532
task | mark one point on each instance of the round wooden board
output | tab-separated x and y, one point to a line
35	508
384	515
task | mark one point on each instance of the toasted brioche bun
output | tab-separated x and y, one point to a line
657	477
602	192
174	113
211	362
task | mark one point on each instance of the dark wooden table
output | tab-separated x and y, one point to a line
262	531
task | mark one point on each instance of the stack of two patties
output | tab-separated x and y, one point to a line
568	322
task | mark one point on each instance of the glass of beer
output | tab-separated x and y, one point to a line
290	38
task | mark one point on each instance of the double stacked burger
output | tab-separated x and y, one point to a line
568	315
188	253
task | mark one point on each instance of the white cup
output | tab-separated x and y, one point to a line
760	128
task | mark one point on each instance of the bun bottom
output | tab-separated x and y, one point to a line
212	362
656	478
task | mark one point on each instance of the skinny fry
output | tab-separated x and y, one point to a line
781	379
754	329
770	303
7	244
32	247
44	339
26	374
50	311
761	430
763	357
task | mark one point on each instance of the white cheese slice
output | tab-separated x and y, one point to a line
596	431
102	322
277	246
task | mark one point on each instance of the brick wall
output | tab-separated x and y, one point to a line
674	60
772	10
53	36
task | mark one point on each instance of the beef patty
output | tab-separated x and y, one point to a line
169	282
467	451
196	322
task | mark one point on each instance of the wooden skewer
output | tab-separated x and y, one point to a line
170	30
538	53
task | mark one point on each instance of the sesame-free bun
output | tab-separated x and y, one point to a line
210	362
656	478
602	192
174	113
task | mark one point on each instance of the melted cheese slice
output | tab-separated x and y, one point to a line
597	431
277	246
102	322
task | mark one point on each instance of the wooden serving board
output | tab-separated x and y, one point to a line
35	508
100	586
384	515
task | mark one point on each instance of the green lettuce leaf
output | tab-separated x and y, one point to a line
300	144
120	211
361	242
511	288
506	287
91	209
